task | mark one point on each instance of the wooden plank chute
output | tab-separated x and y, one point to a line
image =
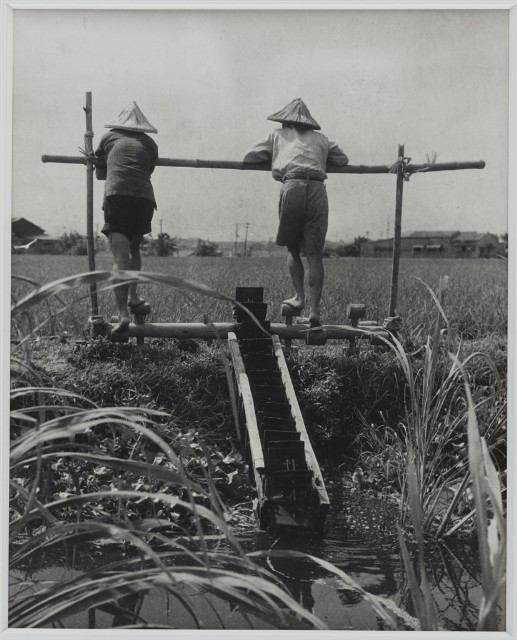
290	488
247	427
246	400
300	424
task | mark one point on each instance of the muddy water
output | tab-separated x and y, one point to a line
359	540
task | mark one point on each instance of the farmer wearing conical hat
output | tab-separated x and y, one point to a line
299	157
126	159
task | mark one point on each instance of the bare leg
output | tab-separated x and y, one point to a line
297	273
120	249
316	278
135	265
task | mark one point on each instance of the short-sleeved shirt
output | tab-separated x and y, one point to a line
130	157
297	151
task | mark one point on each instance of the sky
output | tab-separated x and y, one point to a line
435	81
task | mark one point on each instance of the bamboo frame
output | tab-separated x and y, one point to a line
402	172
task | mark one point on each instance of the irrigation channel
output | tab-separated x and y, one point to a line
359	539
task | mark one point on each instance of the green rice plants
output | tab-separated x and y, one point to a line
475	306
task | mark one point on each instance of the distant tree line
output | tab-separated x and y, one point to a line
75	244
164	245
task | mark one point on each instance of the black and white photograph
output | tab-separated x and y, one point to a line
259	312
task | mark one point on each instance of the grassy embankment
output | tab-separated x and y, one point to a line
339	395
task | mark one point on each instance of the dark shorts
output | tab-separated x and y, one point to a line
127	215
303	212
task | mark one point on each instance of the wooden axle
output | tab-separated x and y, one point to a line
198	330
265	166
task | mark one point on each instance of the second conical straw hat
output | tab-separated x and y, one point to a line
295	112
132	119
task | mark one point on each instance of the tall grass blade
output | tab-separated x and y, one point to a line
491	537
422	596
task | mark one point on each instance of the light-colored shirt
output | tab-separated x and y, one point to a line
130	157
297	151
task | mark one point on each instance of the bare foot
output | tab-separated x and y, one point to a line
122	326
295	302
314	320
137	302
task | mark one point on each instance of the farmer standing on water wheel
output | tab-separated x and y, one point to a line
126	159
299	157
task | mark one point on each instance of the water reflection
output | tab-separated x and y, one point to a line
358	541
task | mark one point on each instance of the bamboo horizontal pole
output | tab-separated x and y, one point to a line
248	166
216	330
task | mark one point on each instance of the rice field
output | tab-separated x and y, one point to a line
475	304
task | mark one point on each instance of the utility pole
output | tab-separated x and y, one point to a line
247	224
161	225
236	238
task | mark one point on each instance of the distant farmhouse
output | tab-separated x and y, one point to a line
438	244
27	237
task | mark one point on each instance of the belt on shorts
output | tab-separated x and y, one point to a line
306	178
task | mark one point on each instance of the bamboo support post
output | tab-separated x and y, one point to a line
398	233
90	243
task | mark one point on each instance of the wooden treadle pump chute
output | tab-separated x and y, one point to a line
290	488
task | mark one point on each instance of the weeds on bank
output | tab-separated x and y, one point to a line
441	419
85	475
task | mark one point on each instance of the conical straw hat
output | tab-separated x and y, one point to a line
295	113
132	119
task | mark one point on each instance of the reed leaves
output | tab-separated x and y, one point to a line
441	416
